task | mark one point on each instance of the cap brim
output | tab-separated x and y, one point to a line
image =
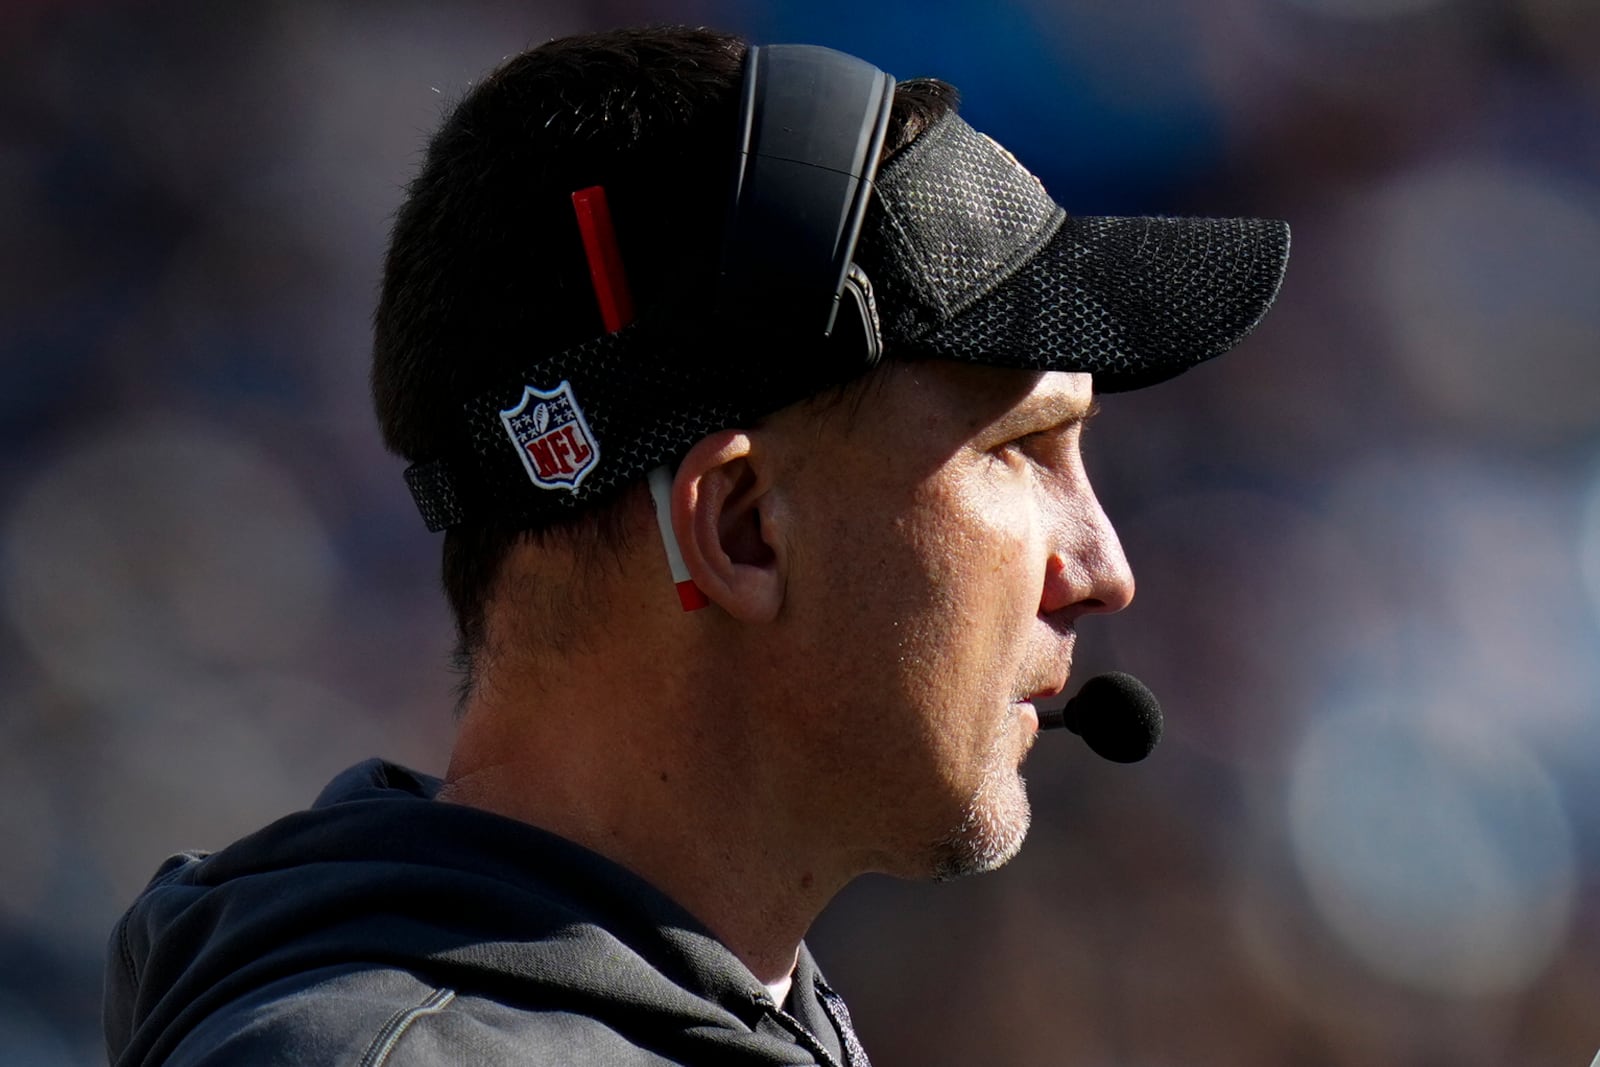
1132	301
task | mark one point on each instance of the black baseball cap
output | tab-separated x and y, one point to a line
968	258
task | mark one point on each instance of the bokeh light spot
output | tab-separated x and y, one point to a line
157	547
1443	860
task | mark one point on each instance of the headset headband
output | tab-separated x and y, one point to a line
811	129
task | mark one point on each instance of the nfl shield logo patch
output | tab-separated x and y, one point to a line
552	437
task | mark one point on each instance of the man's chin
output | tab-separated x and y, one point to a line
990	835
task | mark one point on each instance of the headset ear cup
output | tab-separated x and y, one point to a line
858	334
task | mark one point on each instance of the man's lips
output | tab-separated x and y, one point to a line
1029	705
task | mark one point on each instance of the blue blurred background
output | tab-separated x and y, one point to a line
1368	542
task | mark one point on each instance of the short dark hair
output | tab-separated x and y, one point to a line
486	269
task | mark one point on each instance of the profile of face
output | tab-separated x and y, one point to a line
942	540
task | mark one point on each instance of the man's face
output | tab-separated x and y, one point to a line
946	542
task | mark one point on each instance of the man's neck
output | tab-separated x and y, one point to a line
678	799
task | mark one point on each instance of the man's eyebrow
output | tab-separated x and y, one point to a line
1051	413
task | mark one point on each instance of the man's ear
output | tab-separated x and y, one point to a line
719	499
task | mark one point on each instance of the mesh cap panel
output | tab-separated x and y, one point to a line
974	261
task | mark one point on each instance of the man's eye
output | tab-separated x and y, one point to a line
1025	443
1024	449
1049	447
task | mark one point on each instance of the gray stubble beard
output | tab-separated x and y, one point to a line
993	826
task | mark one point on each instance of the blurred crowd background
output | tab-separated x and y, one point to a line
1367	542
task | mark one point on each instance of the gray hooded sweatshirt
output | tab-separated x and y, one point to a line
382	929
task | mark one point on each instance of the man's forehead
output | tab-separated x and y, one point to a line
921	412
925	410
983	394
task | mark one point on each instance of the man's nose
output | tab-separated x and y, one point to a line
1087	573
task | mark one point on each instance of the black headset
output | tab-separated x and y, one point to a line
811	128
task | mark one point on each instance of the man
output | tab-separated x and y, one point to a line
886	519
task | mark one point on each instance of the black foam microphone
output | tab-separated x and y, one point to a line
1116	715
